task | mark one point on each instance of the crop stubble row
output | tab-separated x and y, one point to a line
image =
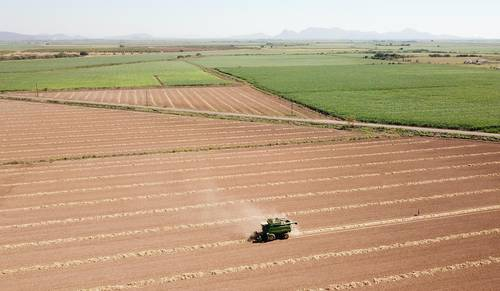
346	196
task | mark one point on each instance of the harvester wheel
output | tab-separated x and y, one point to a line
285	236
271	237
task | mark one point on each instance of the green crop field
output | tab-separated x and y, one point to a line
100	72
334	78
281	60
38	65
411	94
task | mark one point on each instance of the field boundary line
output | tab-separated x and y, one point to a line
294	260
259	118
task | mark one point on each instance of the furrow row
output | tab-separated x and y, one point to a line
164	195
196	140
241	175
243	165
217	156
252	200
295	260
153	131
410	275
221	145
120	256
160	229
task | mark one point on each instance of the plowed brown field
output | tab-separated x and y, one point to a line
405	213
231	99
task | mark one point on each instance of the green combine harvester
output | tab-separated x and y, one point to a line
273	228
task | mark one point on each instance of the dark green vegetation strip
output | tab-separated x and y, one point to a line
440	96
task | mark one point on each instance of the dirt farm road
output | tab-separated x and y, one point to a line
262	117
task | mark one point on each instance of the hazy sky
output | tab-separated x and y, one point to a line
221	18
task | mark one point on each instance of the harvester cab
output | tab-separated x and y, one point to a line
273	228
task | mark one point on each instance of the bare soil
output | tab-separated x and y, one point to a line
228	99
403	213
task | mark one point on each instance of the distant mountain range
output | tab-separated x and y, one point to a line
13	37
324	34
309	34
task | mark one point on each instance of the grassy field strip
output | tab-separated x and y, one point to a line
281	134
150	196
174	160
153	130
295	260
339	228
118	215
195	169
230	155
410	275
224	177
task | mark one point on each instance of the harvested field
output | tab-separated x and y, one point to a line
51	132
233	99
413	213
